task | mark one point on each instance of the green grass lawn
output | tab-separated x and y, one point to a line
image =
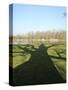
39	56
58	56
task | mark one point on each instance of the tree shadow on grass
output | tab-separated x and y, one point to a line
59	55
38	70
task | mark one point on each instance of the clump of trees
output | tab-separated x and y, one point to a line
31	37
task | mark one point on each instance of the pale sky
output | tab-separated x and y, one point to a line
28	18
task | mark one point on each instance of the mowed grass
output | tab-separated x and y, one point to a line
58	56
57	53
18	56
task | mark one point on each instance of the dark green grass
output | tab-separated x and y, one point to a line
38	64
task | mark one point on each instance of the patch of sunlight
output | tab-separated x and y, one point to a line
63	55
60	66
52	52
19	59
32	49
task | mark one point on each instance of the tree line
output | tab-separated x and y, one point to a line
40	36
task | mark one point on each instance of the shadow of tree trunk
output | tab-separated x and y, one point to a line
38	70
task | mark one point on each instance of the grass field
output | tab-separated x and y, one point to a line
36	64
